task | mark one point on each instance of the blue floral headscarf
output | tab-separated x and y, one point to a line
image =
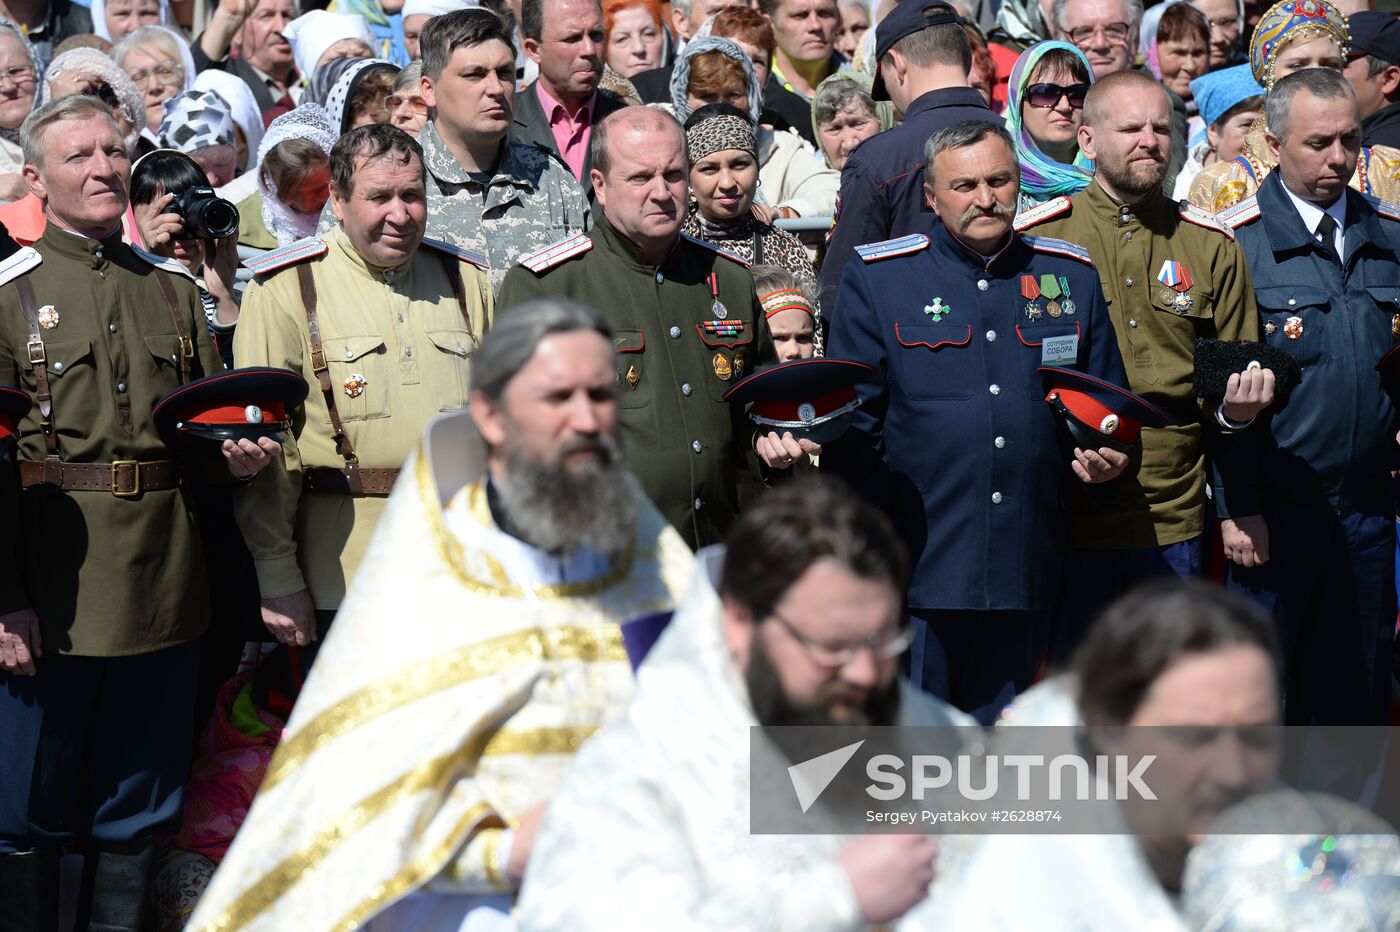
1041	176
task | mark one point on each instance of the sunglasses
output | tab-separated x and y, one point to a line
1046	96
419	105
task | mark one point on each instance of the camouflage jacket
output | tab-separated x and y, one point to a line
531	201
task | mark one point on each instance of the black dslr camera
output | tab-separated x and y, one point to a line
206	215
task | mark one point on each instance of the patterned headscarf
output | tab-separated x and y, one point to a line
786	299
719	133
242	106
196	120
1041	176
91	62
680	76
1292	21
308	121
338	100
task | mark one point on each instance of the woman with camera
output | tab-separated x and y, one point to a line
179	219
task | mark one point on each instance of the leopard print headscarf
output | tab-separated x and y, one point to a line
718	133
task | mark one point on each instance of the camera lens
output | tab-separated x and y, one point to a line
219	218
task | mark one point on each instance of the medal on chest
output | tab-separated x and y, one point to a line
1050	287
1031	291
937	310
1176	276
717	308
47	317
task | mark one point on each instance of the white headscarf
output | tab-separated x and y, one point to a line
309	121
99	17
92	62
312	33
436	7
144	35
239	97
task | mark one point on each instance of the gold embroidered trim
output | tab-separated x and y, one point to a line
466	663
539	741
491	857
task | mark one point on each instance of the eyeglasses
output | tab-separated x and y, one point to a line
419	105
166	72
1117	33
1046	96
884	645
19	77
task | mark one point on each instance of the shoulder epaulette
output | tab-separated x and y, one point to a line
1387	209
888	249
26	259
1042	212
555	253
310	248
172	266
1058	247
1194	215
466	255
1240	214
713	248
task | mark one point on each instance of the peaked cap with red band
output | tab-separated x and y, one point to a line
1098	413
808	398
14	405
253	403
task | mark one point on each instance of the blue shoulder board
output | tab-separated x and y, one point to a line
904	246
466	255
713	248
1387	209
26	259
310	248
1242	213
1057	247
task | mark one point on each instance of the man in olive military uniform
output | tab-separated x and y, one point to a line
686	319
102	587
1171	276
383	330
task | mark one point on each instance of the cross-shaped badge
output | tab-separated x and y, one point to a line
937	309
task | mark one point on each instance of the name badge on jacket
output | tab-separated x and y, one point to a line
1060	351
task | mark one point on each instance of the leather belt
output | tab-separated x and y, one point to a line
351	480
123	478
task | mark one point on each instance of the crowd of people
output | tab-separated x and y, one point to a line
391	535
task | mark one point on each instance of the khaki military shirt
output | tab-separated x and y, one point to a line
399	352
686	444
107	576
1162	500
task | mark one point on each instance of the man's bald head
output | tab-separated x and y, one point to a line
1098	104
628	120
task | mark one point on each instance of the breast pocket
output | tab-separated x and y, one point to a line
1293	317
451	373
633	380
359	373
1387	299
65	356
931	360
1033	337
165	350
730	356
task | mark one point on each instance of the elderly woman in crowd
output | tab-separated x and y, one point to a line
1175	45
19	84
1292	35
855	23
318	37
158	62
408	110
361	94
1229	100
636	39
243	107
114	20
722	148
88	71
844	115
199	125
1045	108
792	177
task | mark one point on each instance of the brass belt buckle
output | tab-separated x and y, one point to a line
117	488
186	347
36	352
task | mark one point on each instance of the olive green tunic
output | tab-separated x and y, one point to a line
107	576
1163	500
686	444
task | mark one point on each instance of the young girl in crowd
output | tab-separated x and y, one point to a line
294	159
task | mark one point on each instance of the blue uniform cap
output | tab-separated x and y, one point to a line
905	19
808	398
14	405
1098	413
1375	33
252	403
1217	91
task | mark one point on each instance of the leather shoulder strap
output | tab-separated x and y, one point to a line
39	360
323	375
186	344
459	291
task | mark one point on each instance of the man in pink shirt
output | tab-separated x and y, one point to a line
558	112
